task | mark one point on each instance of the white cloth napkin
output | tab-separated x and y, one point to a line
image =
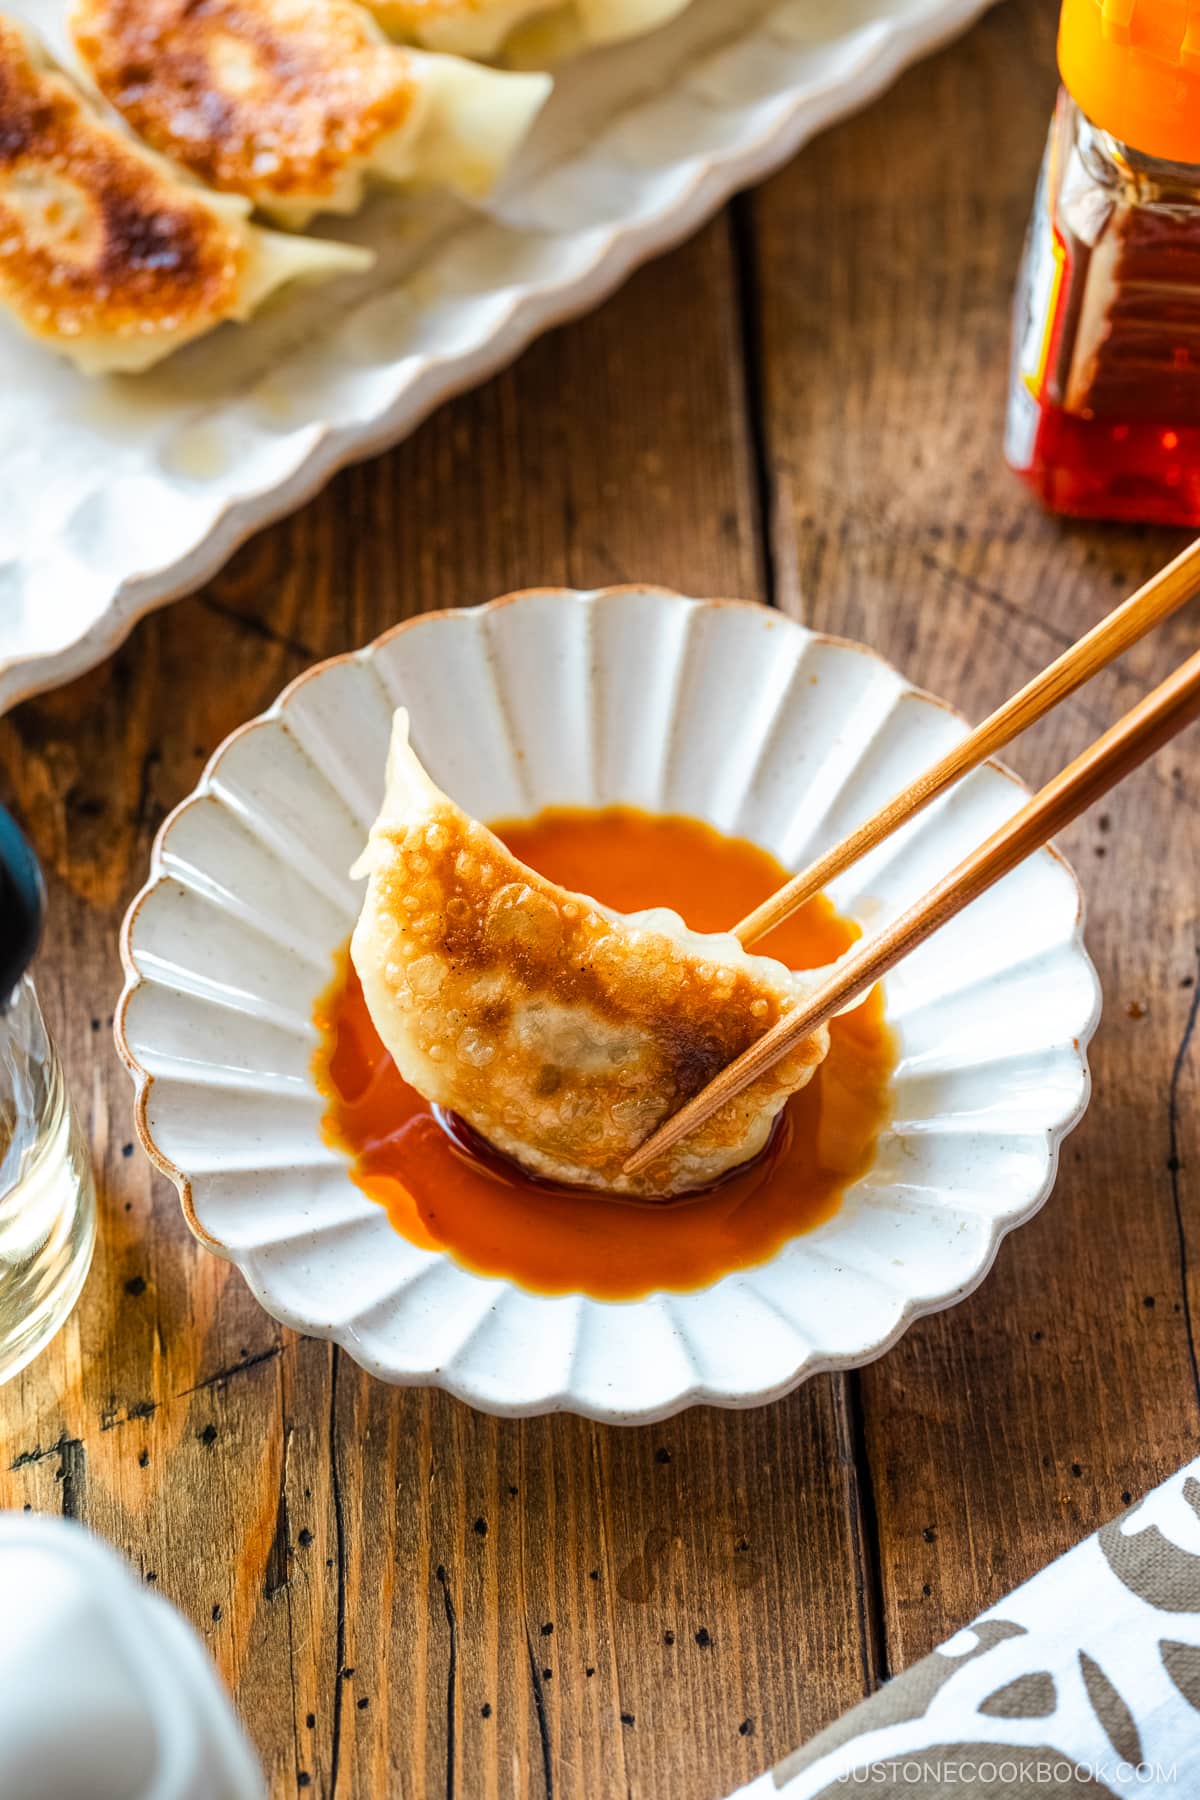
1081	1684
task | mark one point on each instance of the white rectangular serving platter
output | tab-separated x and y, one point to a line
117	495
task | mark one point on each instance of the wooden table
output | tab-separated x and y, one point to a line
804	404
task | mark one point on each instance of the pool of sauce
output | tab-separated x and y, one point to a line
444	1190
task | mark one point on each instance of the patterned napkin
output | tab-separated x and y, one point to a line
1083	1683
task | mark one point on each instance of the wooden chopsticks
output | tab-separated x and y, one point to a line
1162	595
1142	731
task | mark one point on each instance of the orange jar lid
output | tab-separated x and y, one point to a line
1133	66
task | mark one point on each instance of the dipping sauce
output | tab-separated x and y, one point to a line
441	1193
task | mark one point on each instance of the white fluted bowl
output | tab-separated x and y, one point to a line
731	713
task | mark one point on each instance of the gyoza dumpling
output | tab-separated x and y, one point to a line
561	1031
106	254
294	102
484	27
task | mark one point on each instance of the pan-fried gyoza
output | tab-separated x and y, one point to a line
561	1031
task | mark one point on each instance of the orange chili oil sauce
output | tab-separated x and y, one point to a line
491	1217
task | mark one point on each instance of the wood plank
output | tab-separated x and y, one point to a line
1002	1431
319	1528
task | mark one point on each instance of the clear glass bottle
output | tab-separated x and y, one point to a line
47	1197
1104	398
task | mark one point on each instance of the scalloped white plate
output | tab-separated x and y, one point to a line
122	494
726	711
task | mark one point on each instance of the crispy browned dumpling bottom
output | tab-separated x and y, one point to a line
95	237
262	97
297	104
562	1032
106	254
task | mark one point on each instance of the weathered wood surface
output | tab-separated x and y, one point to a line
802	405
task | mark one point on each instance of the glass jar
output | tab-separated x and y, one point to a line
47	1197
1104	396
1104	404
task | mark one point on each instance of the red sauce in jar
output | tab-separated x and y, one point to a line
443	1189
